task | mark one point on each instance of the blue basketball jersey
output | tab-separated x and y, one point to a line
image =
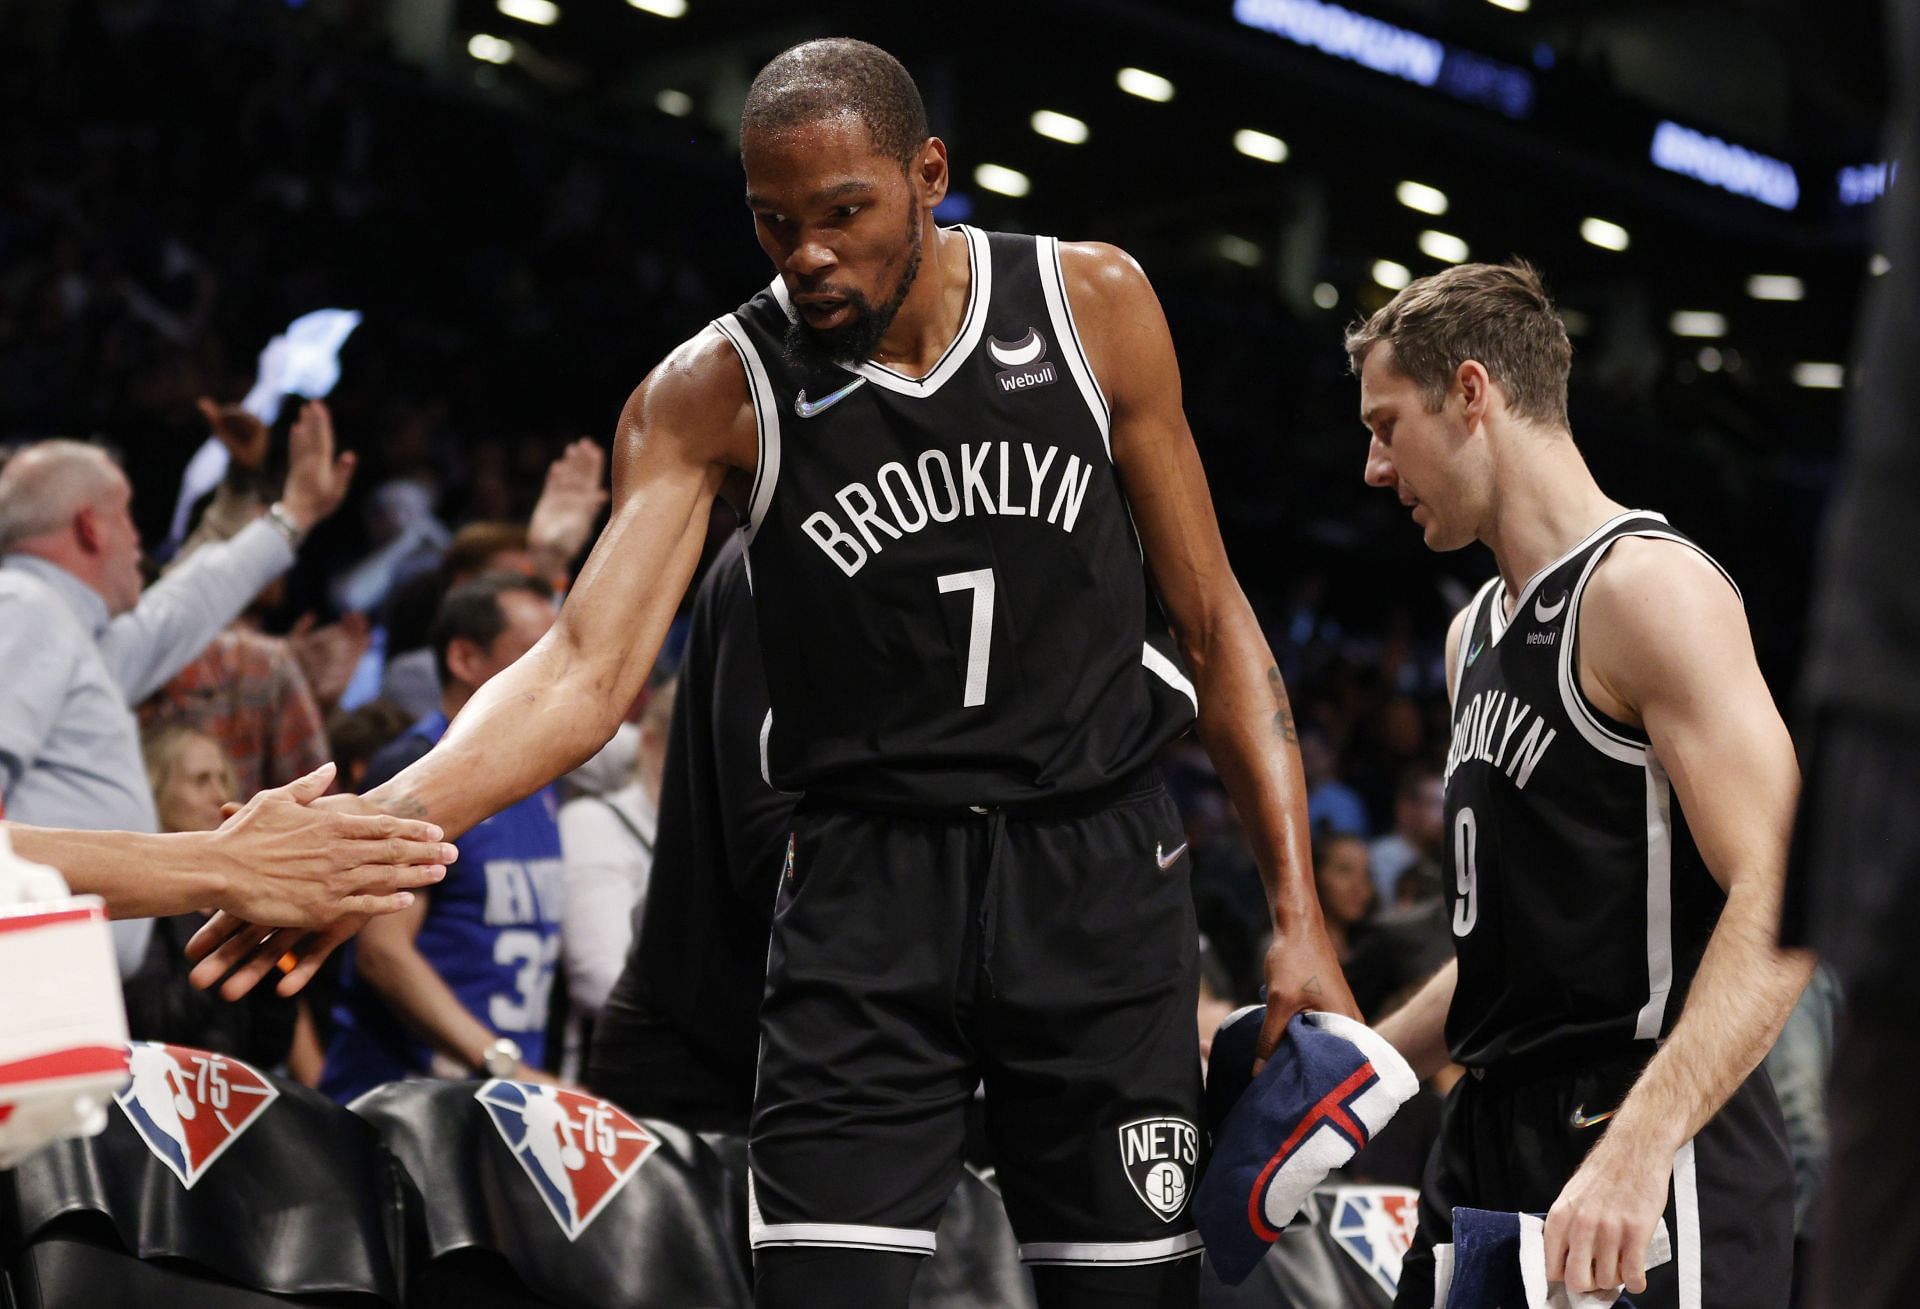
492	932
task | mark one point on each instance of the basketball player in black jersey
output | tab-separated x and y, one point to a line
1618	800
953	451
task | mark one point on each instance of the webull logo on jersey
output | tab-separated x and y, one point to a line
1374	1225
576	1150
190	1105
1023	364
1489	729
1012	479
1161	1156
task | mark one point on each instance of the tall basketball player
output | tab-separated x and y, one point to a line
1618	800
952	451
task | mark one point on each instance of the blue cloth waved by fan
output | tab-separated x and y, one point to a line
1329	1088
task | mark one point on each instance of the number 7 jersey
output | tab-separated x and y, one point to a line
950	593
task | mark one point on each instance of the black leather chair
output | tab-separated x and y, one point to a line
1344	1253
213	1186
525	1196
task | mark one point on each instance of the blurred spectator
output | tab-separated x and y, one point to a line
458	984
357	735
1346	890
1331	803
545	547
607	841
1405	863
1216	998
82	643
191	781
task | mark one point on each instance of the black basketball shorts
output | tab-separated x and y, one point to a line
1512	1143
1050	958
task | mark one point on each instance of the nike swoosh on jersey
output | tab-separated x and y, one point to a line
1579	1118
807	409
1474	653
1546	615
1169	859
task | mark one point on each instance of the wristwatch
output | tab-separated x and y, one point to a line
500	1058
282	522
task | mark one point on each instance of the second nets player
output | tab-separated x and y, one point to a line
953	451
1618	799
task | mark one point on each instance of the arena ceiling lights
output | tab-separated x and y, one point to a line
1444	246
1260	145
1421	198
1697	323
1606	235
1820	377
1002	180
661	8
674	102
1059	127
490	49
1148	86
1775	286
541	13
1391	275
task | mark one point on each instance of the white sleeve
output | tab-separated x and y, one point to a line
605	870
179	615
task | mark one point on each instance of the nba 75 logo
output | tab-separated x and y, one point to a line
578	1151
1374	1225
190	1105
1160	1155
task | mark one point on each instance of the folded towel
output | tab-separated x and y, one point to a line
1329	1088
1499	1261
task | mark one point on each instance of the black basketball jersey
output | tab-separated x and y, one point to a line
950	594
1578	901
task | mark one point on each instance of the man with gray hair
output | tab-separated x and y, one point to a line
81	643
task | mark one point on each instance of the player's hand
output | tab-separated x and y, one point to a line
291	860
1302	973
1598	1230
317	479
569	503
244	952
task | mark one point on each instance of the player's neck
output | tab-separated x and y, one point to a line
1545	502
930	316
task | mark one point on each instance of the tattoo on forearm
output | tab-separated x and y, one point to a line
1283	716
406	806
1313	985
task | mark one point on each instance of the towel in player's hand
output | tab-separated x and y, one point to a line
1501	1258
1328	1089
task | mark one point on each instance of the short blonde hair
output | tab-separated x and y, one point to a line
1498	314
161	750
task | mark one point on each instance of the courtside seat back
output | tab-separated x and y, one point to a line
1343	1253
226	1184
976	1262
588	1207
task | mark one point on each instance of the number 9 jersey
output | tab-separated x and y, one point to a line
949	589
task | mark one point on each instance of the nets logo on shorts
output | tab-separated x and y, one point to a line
577	1150
1374	1225
190	1105
1160	1156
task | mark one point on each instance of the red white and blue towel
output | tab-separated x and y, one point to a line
1328	1089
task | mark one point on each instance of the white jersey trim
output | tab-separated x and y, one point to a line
1659	902
1500	621
1066	335
1163	1250
852	1236
766	413
1686	1218
766	737
1169	672
1467	624
972	326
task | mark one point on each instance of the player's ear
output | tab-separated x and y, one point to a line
466	660
930	172
1475	388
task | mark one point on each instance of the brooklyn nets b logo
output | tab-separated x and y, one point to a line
1160	1156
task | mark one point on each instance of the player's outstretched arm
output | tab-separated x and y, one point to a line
278	860
1664	641
1246	721
681	431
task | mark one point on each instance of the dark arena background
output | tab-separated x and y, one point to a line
530	202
